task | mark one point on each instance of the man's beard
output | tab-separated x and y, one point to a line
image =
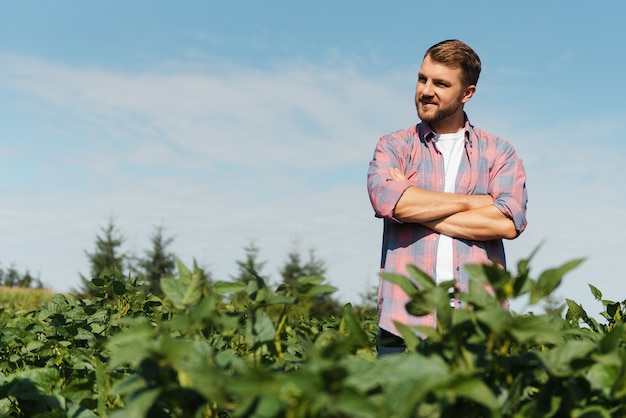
441	113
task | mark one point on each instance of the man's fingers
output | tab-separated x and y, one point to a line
396	174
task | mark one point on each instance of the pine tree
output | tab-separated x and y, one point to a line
251	268
12	277
248	271
26	280
106	255
158	262
321	305
293	268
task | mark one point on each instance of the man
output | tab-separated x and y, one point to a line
448	192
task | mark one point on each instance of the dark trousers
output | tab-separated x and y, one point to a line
388	343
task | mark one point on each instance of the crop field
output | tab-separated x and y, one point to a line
17	298
248	350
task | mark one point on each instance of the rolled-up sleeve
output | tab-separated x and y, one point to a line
508	185
384	192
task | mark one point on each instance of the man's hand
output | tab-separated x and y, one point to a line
396	174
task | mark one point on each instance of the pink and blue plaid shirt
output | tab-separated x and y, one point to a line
489	165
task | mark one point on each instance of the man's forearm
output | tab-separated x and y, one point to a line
482	224
419	205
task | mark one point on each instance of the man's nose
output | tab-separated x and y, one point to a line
427	89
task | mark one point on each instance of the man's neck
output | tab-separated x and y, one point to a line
449	125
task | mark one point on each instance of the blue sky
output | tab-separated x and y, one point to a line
231	122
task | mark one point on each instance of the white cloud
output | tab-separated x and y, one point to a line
232	115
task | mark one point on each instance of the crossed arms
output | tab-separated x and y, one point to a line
472	217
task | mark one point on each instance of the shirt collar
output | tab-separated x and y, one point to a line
427	134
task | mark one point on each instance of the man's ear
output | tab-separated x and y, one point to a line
469	92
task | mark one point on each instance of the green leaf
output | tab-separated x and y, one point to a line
411	340
353	405
310	280
476	390
267	405
319	289
183	272
477	273
523	264
223	288
479	296
593	411
595	292
398	279
177	350
257	290
612	339
614	310
102	385
77	411
228	360
429	333
443	308
542	329
33	345
174	290
193	292
423	280
407	379
31	383
550	280
575	311
129	346
496	319
521	286
281	300
312	285
182	293
139	402
259	329
504	286
330	341
119	287
356	333
422	303
204	310
98	282
602	377
561	360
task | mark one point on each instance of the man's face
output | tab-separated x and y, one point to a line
440	95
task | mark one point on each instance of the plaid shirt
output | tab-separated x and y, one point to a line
489	166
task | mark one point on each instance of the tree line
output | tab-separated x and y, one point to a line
12	277
159	262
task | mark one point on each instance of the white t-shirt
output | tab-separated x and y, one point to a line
451	147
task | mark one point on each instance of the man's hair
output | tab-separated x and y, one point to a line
457	54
